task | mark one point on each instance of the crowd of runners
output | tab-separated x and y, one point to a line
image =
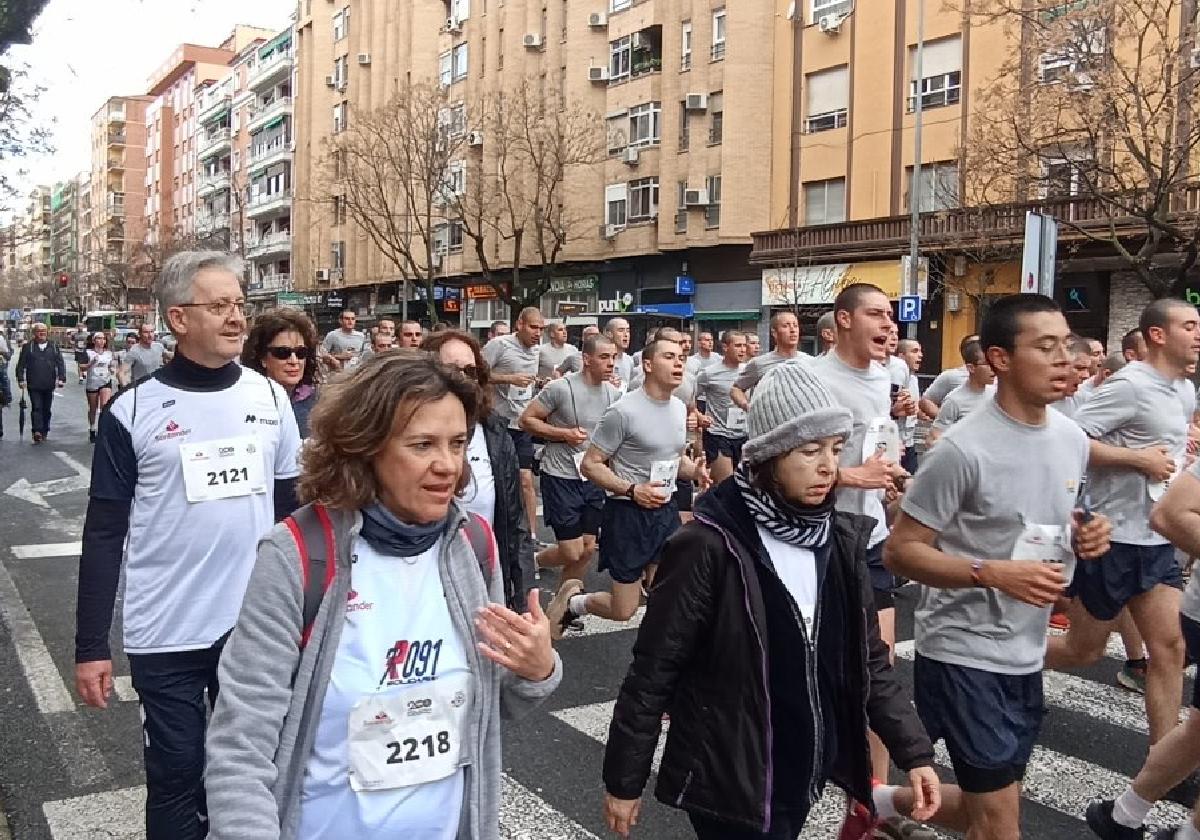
341	533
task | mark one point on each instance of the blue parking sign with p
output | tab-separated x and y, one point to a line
910	309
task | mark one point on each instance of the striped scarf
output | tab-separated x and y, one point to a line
803	527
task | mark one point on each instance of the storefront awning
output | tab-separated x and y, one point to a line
728	315
820	284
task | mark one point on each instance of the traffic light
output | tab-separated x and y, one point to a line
63	280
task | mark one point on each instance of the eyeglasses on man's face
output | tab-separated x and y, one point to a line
219	308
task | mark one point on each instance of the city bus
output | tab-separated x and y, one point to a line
61	323
112	321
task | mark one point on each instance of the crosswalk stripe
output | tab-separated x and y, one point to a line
119	815
123	688
38	552
1087	697
41	674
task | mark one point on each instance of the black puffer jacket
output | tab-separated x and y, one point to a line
512	534
720	651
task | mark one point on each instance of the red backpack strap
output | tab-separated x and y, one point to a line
312	529
479	535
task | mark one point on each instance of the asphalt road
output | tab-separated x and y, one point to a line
71	773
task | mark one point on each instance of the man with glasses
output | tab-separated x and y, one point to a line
192	466
345	343
142	359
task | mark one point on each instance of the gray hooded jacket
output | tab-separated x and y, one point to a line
262	730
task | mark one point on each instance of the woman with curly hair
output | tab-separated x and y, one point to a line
282	345
329	727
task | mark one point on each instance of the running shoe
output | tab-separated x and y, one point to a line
1100	821
1133	677
559	611
91	435
1059	621
1165	833
902	828
858	824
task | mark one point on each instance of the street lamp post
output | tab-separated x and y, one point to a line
914	192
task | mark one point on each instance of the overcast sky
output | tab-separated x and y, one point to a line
85	51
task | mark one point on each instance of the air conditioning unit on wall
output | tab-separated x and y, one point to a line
597	19
597	74
695	198
830	24
696	102
475	138
532	41
322	275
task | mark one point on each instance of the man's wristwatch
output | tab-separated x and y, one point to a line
976	568
629	492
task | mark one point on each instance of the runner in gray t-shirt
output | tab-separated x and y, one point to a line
945	382
724	422
1138	442
513	363
142	359
785	336
988	525
636	454
565	414
555	351
967	397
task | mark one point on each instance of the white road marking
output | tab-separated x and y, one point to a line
46	684
594	625
38	552
123	689
120	815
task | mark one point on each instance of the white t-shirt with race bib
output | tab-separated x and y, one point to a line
397	649
202	482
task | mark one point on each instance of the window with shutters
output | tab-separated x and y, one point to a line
825	202
941	74
937	187
827	100
616	204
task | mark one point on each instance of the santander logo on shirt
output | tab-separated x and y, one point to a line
351	606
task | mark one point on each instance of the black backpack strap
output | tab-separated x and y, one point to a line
479	535
312	529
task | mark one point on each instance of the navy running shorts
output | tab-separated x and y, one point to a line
990	722
630	537
571	507
715	446
1106	585
523	441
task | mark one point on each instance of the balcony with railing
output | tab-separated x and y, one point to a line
266	205
271	69
275	150
995	226
213	104
210	220
116	204
269	245
270	284
116	138
214	141
263	114
212	183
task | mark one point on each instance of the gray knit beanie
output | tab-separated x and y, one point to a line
788	408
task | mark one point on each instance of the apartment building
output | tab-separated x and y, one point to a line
64	230
116	200
680	93
268	166
32	238
840	204
174	135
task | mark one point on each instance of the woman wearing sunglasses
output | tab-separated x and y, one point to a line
282	345
494	488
